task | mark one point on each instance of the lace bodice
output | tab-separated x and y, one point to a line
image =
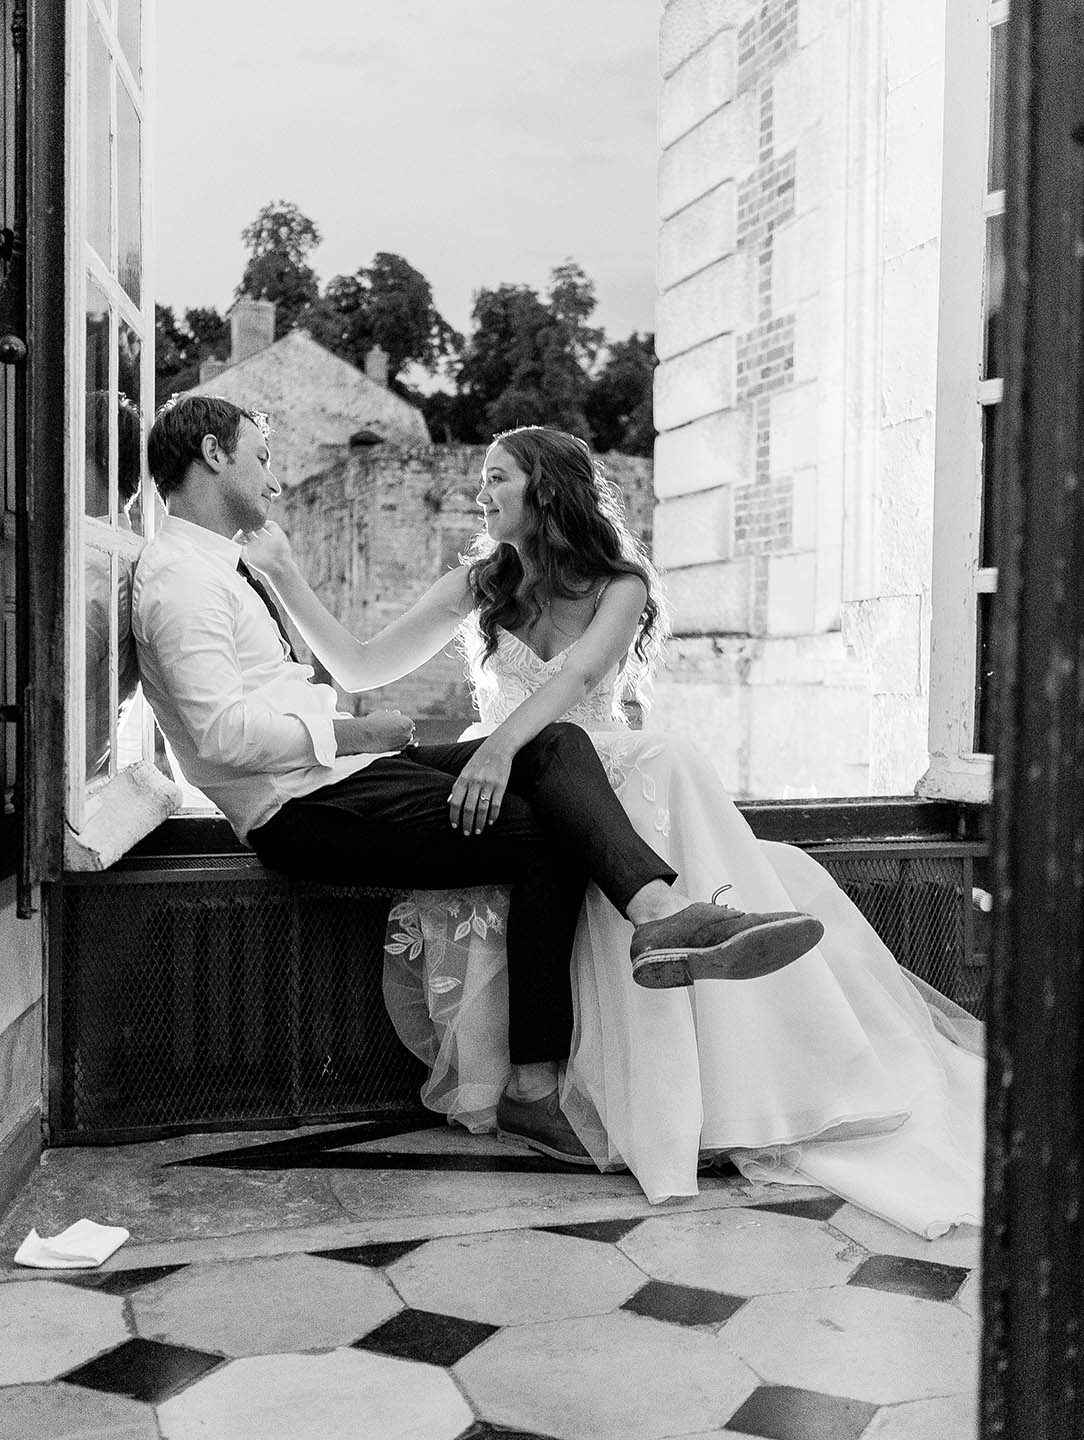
514	672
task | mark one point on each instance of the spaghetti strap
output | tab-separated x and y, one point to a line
601	591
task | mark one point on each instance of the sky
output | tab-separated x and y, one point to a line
484	140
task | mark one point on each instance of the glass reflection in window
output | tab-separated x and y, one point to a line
998	120
98	567
128	27
995	287
97	401
99	197
129	241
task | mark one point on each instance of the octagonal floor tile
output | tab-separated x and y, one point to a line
46	1329
741	1252
594	1378
862	1344
515	1277
962	1246
27	1411
256	1307
952	1418
340	1395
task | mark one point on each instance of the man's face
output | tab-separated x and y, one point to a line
248	487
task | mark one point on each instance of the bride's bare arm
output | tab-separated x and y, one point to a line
604	644
399	648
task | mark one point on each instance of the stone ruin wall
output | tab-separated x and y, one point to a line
379	526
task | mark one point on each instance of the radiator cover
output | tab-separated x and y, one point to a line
208	993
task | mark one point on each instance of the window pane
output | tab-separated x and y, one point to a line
984	675
129	243
995	287
128	24
97	576
99	200
990	416
998	122
129	435
97	427
127	673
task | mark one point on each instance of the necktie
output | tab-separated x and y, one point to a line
272	608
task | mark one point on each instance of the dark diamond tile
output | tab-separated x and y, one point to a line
144	1370
822	1208
682	1304
377	1256
781	1412
426	1336
606	1230
483	1430
123	1282
924	1279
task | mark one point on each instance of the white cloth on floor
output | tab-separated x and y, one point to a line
80	1247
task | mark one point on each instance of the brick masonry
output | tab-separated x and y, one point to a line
763	509
375	529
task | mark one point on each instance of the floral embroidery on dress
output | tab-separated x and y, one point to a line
479	924
409	938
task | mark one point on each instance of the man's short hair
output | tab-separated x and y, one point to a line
179	427
129	441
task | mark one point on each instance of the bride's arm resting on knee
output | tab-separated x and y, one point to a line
399	648
602	646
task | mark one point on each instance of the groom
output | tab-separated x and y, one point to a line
350	800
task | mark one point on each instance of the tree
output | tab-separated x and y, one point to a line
181	348
618	405
280	240
210	332
390	304
527	359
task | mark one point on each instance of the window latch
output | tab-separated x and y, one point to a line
12	350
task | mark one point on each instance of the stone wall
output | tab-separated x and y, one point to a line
794	339
379	526
21	1057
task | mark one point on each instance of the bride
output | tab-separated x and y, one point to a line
841	1071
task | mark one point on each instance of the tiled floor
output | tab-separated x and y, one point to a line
371	1285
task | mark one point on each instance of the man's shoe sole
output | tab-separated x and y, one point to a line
760	950
510	1137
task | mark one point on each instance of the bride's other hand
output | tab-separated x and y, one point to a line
267	550
476	797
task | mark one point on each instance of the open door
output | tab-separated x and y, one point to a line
1033	1303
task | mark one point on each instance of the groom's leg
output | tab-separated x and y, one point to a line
389	825
560	773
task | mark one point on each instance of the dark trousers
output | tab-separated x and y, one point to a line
560	825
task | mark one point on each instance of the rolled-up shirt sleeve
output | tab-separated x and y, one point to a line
188	649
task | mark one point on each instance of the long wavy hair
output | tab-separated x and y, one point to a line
577	537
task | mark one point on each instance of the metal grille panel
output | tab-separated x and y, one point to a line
210	993
919	902
240	1000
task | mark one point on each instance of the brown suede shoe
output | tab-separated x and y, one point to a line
714	942
542	1125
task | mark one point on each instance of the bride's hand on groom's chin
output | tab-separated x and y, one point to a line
267	550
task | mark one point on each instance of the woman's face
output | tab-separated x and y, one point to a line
501	497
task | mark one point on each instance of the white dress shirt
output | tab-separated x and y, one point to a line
248	726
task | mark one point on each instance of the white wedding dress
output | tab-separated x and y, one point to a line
841	1070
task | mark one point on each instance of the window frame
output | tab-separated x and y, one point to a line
84	267
957	770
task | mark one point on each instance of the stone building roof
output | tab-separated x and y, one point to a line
316	402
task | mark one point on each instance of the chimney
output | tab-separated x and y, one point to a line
376	366
252	327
